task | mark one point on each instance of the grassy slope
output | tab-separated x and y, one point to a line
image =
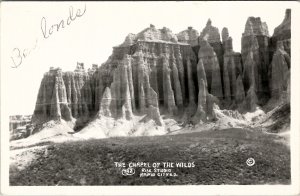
219	157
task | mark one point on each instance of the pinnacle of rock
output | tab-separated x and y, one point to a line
225	34
187	76
208	23
210	33
254	26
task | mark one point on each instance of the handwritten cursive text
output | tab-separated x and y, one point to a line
62	24
18	55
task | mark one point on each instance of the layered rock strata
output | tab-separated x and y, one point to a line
157	72
149	72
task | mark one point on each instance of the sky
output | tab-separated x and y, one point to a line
26	54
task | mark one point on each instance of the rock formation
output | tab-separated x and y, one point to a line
210	33
279	68
189	36
187	76
232	68
150	60
52	97
121	97
191	84
105	103
212	36
251	99
240	92
153	109
280	73
169	100
283	33
205	100
255	40
251	80
151	34
176	84
212	69
201	112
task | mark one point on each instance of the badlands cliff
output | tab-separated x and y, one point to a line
156	75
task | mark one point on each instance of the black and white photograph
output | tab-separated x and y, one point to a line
108	96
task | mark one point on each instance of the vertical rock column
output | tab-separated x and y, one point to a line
279	72
231	70
169	100
180	68
212	36
52	99
142	73
200	114
240	92
153	109
125	92
206	101
212	69
128	60
176	84
191	85
255	40
120	93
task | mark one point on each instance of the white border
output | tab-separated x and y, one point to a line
292	189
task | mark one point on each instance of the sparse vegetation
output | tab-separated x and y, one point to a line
220	158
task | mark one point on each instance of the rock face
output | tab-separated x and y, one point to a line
279	69
105	103
212	36
151	34
240	92
254	26
189	36
213	73
210	33
280	72
255	55
187	76
169	100
232	68
251	80
121	97
205	100
283	33
52	97
148	69
153	109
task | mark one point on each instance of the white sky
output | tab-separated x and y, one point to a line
90	38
